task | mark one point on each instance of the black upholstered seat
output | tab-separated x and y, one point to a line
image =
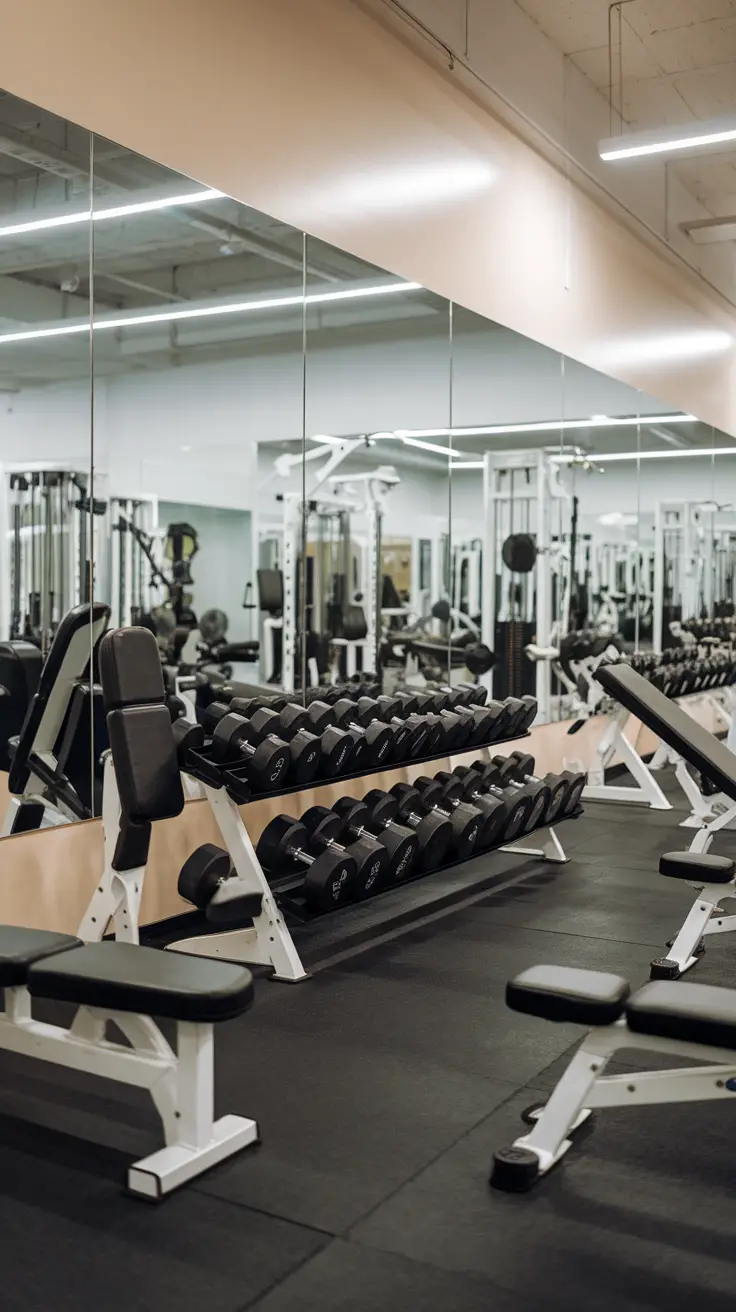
20	948
674	726
124	977
697	866
564	993
694	1013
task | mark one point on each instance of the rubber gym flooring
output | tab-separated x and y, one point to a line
382	1086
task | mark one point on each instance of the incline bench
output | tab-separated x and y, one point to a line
692	1021
713	876
125	984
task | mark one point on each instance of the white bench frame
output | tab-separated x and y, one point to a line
704	917
585	1087
613	742
117	897
181	1083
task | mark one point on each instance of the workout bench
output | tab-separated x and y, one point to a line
125	985
695	1022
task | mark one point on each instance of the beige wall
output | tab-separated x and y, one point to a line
311	111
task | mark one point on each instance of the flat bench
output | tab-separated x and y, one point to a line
127	984
692	1021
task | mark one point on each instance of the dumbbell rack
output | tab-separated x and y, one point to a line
269	942
550	849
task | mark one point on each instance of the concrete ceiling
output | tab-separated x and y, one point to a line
678	60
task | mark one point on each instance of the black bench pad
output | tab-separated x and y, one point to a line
149	981
564	993
20	948
695	1013
670	723
697	866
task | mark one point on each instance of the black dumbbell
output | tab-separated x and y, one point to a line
336	746
207	880
370	856
477	693
412	729
329	876
374	740
400	843
523	711
234	739
465	818
540	793
478	779
496	811
304	747
566	787
434	833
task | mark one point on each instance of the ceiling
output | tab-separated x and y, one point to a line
678	59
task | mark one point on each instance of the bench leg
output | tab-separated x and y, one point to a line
534	1154
195	1141
687	946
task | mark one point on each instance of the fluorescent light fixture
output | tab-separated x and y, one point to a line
548	426
693	452
470	464
115	212
679	136
209	311
430	446
326	440
705	232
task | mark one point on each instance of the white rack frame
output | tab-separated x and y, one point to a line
613	742
117	897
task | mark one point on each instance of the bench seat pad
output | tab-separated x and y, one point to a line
695	1013
697	867
20	948
564	993
149	981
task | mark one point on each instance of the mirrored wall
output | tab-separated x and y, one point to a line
302	472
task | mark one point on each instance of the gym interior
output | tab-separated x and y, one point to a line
367	778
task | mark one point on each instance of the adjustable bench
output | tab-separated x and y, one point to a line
124	984
44	755
691	1021
692	743
142	784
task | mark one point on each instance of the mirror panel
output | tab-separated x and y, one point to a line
376	476
45	439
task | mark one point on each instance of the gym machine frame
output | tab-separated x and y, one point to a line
545	489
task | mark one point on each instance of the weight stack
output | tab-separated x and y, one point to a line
514	675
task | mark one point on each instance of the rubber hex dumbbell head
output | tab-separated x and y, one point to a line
202	874
557	783
370	857
496	811
479	779
465	818
329	878
433	830
233	740
540	794
399	843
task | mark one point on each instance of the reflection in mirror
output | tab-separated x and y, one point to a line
377	605
198	327
45	201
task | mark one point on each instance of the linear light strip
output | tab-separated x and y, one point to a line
548	426
211	311
114	212
599	458
681	136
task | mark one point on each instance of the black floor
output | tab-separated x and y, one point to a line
382	1087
